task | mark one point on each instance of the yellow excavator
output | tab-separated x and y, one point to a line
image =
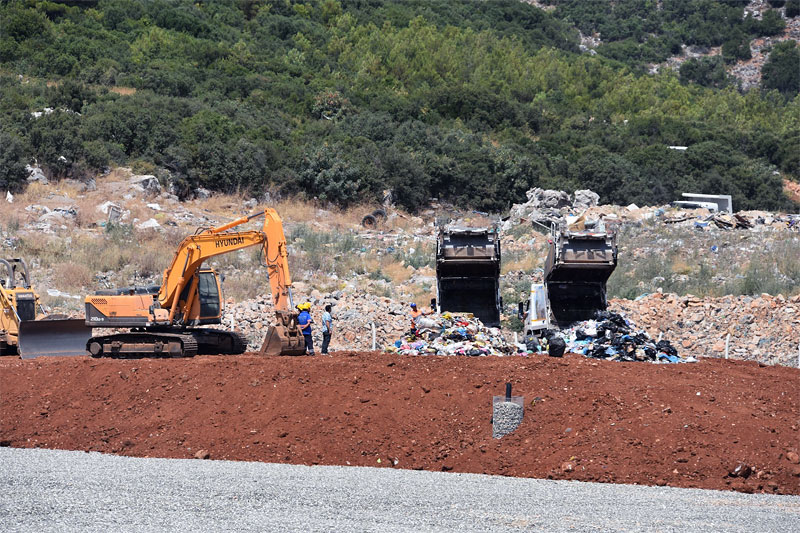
25	328
162	321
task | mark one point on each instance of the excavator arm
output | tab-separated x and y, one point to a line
164	322
196	249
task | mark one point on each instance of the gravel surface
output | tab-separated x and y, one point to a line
506	417
47	490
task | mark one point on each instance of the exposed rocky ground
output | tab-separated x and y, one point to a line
370	275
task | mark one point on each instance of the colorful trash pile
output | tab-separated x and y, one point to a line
612	337
452	334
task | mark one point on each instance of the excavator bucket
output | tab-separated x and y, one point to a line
284	338
53	338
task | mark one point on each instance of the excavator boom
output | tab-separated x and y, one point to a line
190	296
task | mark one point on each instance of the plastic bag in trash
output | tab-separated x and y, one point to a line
556	346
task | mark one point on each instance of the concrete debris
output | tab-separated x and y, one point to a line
37	209
202	194
354	312
764	328
105	206
549	206
82	186
149	224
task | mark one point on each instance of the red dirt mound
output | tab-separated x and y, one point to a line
687	425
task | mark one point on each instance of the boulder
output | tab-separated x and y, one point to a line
548	198
585	199
35	175
147	183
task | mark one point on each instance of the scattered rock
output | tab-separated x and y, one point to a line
793	458
742	470
202	194
202	454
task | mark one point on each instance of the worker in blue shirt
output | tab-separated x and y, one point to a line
327	329
304	320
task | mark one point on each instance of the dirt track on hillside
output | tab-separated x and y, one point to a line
684	425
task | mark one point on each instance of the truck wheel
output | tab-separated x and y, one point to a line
369	222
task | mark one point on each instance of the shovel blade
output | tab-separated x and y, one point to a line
53	338
278	341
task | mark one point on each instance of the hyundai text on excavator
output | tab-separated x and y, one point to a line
25	328
164	320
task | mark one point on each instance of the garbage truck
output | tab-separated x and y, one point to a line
576	270
468	272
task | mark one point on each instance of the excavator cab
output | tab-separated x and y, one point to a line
206	302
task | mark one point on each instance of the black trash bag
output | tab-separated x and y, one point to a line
581	335
598	352
556	346
531	343
666	347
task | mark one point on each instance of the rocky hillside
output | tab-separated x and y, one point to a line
121	229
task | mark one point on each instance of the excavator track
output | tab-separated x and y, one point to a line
143	344
219	342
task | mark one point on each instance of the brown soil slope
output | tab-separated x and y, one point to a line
683	425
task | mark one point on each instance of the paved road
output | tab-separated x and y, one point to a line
47	490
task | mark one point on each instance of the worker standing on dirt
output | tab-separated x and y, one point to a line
304	320
327	328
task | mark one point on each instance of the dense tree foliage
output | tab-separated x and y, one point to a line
649	31
706	71
471	102
782	69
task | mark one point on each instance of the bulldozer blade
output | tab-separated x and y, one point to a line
53	338
279	342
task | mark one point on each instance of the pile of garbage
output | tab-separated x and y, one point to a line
612	337
452	334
